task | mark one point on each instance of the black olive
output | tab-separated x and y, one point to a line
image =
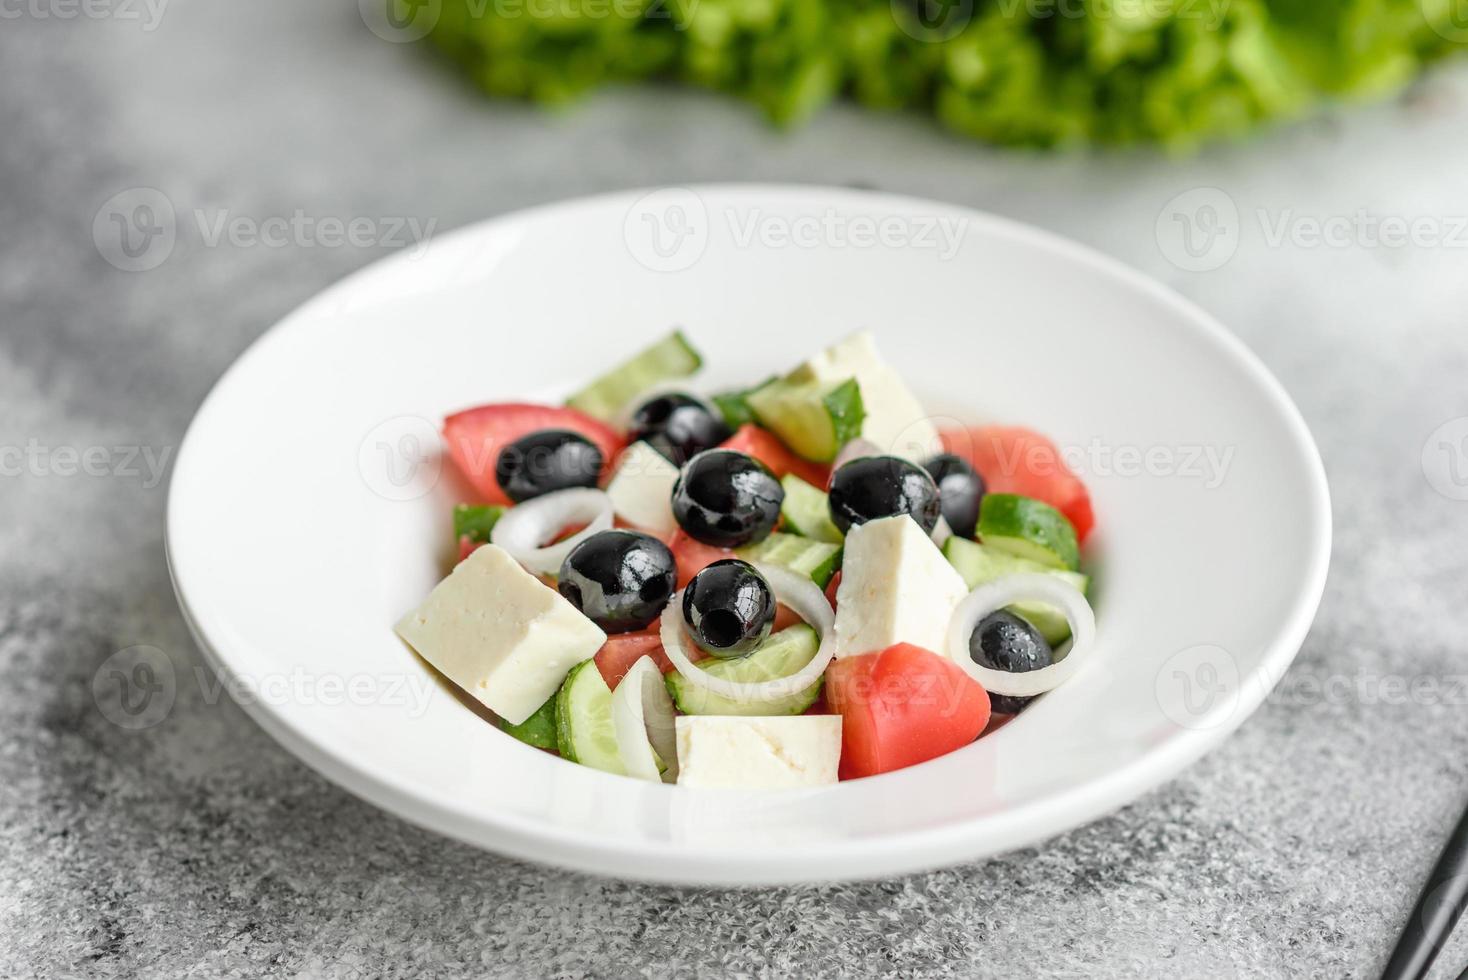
678	426
729	608
727	499
960	489
547	460
870	487
1004	641
621	580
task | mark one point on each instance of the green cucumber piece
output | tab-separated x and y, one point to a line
778	656
818	559
539	729
815	420
807	511
475	521
609	395
584	731
734	405
979	564
1028	528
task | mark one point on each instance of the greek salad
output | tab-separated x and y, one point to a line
785	585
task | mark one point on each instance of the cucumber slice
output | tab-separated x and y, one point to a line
779	656
539	729
584	730
734	405
807	511
813	419
475	521
978	564
1028	528
607	396
818	559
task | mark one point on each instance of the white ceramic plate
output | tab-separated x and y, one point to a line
309	510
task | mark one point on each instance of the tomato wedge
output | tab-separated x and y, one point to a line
622	650
768	449
476	436
902	706
693	556
1021	461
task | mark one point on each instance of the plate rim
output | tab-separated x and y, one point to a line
868	858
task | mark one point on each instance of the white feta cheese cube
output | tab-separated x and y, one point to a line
642	490
895	420
896	587
500	633
737	752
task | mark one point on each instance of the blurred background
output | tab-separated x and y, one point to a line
175	175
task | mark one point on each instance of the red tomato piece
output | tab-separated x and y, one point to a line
1017	460
832	587
622	650
467	546
476	437
768	449
901	706
693	556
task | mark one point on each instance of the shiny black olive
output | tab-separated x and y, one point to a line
1004	641
547	460
960	489
678	426
726	498
729	608
870	487
621	580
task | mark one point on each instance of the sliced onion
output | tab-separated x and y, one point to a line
525	528
673	386
644	723
803	597
855	449
1006	592
941	532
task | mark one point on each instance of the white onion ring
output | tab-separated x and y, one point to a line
803	597
941	531
1006	591
525	528
643	723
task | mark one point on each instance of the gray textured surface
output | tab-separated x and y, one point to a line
199	846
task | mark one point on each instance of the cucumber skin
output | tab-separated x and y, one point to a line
695	701
820	573
671	357
565	741
540	729
1030	529
734	405
807	511
794	411
476	521
978	565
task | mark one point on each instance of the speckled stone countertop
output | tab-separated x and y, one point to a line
199	847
